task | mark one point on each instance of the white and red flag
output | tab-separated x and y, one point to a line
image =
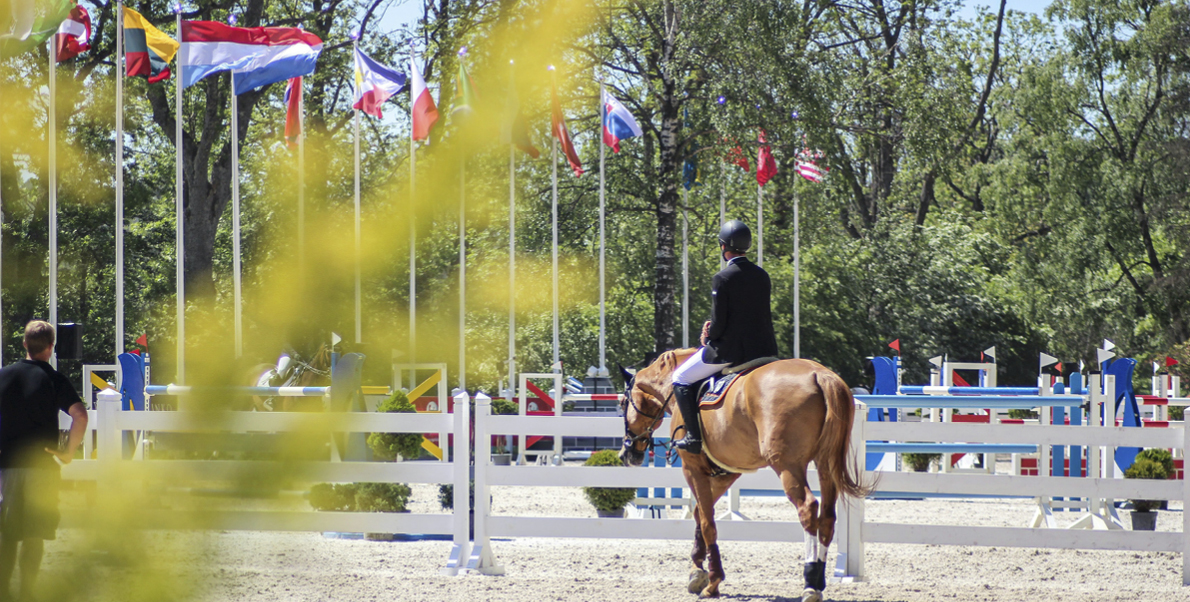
424	112
808	168
74	35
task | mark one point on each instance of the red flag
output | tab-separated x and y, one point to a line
1059	368
293	111
766	165
558	125
896	345
74	35
736	157
423	113
143	340
1170	362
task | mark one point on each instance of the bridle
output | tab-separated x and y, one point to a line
630	439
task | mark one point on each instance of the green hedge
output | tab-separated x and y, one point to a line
388	446
359	497
608	499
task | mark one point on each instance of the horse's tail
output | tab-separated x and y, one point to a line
834	444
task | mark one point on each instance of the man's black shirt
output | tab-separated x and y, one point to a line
741	315
31	394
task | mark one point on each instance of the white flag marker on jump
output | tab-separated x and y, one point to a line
1102	355
990	352
1044	360
937	361
335	339
1108	345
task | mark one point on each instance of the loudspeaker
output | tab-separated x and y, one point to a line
70	341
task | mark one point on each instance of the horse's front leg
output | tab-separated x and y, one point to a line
706	491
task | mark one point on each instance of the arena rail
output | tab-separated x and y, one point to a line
114	472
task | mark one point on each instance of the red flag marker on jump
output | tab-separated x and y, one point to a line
1170	362
896	345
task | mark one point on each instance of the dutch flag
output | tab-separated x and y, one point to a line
618	123
258	56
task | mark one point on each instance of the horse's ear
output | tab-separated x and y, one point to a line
628	376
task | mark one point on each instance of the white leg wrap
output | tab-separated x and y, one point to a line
811	547
821	550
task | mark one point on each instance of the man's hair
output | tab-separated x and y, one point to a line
39	336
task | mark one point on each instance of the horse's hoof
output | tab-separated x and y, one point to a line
699	579
811	595
712	591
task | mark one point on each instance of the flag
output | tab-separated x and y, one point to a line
465	96
766	165
736	157
258	56
895	345
74	34
423	113
518	126
143	340
691	173
147	51
1170	362
618	122
293	111
31	27
374	84
558	126
807	166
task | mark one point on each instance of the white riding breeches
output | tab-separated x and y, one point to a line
694	369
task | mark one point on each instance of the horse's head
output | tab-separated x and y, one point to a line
647	394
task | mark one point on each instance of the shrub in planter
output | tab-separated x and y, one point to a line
388	446
359	497
502	407
608	499
920	462
446	496
1145	468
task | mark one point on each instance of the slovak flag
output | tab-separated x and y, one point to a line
258	56
74	35
424	112
618	122
374	83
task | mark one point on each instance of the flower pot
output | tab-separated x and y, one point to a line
1144	521
502	459
610	513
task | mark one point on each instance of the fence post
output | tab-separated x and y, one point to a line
109	435
849	562
461	468
482	560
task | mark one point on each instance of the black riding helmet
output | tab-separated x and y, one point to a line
735	236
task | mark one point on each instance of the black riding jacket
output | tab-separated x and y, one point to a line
741	315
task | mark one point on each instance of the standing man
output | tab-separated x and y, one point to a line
740	329
31	394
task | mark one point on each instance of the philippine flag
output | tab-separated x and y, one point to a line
258	56
618	123
374	84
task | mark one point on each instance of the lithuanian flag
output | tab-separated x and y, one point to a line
147	51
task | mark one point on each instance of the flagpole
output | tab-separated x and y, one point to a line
412	218
554	245
180	210
301	208
602	306
463	273
797	277
759	222
358	316
511	241
237	280
722	205
119	179
685	267
53	190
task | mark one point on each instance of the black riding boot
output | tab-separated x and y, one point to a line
686	396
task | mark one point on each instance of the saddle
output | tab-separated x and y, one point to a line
714	390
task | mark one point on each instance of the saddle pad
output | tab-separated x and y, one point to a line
718	390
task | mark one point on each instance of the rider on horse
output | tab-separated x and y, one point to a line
740	329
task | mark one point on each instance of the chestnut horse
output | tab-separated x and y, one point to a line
314	373
781	415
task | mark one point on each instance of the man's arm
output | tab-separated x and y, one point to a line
78	429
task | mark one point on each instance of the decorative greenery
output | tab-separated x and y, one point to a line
1160	456
1146	468
1018	414
504	407
388	446
446	496
607	499
359	497
920	462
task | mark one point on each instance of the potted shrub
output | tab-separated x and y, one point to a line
501	455
1145	467
920	462
609	502
359	497
1164	458
390	446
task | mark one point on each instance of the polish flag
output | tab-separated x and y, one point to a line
424	113
73	34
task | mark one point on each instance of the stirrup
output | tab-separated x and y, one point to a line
689	445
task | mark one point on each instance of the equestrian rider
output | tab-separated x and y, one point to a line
740	329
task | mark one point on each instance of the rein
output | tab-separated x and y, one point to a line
630	439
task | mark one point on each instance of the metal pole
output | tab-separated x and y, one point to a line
237	281
53	191
685	267
301	208
797	279
359	334
119	179
412	233
511	246
463	274
759	225
602	250
181	214
722	205
554	246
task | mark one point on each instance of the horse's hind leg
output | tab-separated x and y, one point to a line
793	480
707	491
